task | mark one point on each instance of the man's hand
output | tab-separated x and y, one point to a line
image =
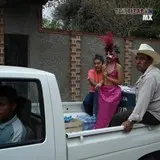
127	126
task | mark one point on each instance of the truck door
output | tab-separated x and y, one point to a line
34	111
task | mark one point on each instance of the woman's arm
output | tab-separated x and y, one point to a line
118	81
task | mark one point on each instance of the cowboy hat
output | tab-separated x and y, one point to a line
149	51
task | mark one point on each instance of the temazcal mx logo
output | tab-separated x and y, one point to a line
147	15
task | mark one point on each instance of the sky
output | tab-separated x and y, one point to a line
50	5
47	13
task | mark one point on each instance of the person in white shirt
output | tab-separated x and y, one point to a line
147	109
12	129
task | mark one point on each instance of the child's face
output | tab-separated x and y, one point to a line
98	65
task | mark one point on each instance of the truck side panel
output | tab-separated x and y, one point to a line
114	145
58	120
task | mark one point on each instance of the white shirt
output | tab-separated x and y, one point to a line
12	131
147	95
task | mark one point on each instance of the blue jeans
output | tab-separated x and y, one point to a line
90	103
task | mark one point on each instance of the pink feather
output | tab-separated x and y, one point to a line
108	41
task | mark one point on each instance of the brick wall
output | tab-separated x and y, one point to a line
127	62
75	65
1	36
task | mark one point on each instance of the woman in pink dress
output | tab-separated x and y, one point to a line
109	91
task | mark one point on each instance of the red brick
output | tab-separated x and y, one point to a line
73	41
78	70
78	46
78	62
73	49
73	83
75	66
78	78
127	62
73	59
73	69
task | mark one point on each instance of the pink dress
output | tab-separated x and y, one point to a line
108	100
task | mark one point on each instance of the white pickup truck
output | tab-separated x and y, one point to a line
42	112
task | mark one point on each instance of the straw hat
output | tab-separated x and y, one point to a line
149	51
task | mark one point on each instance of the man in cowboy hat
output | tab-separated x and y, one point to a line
147	109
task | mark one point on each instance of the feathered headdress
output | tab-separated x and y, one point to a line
108	42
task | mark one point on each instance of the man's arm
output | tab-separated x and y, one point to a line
145	96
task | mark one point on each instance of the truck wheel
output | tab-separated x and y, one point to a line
148	157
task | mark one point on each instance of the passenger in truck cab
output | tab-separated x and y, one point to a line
94	77
11	128
147	109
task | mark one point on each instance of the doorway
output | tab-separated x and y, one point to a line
16	50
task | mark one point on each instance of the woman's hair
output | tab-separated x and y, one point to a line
99	57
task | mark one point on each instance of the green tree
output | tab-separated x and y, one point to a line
99	16
150	29
52	24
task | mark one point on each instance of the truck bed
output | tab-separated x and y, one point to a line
112	141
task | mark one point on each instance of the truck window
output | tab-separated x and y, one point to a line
27	116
